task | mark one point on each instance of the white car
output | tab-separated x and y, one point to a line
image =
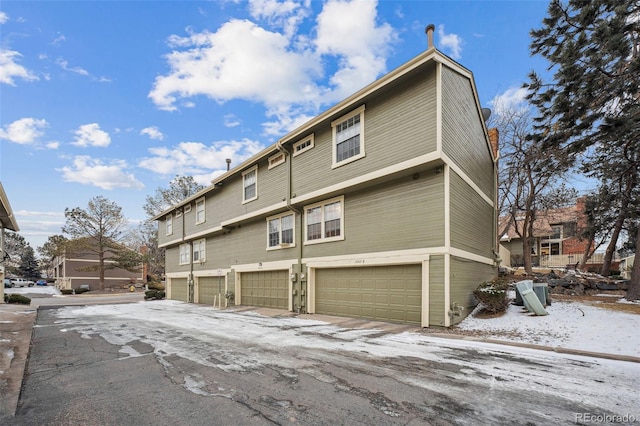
21	282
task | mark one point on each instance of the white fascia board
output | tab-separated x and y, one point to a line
258	213
467	179
396	257
471	256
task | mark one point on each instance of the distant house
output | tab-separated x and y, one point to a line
7	221
73	269
382	207
557	240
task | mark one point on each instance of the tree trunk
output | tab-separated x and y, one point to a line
634	286
611	248
586	255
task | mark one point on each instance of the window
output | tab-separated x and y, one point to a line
325	221
200	217
280	231
250	184
348	138
185	255
556	232
276	160
169	225
199	251
304	145
187	208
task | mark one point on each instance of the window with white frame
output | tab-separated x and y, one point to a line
199	250
348	137
324	221
185	254
303	145
200	212
168	221
276	160
280	231
250	184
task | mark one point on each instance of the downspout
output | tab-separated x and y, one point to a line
190	282
286	153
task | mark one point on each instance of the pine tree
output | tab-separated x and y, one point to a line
593	103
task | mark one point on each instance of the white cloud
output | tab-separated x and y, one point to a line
350	30
230	120
24	131
153	132
239	61
3	17
90	171
53	145
91	135
452	42
9	69
287	14
65	66
197	159
59	39
511	100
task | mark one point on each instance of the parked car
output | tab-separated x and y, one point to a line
22	282
41	282
7	283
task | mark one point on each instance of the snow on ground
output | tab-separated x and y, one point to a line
571	325
38	289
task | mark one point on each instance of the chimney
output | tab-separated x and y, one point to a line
429	30
494	137
228	160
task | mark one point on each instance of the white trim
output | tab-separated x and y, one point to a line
192	236
168	218
438	107
180	263
466	178
257	213
396	257
424	320
334	145
193	254
280	265
180	274
212	273
265	266
324	239
187	207
277	163
463	254
244	174
311	138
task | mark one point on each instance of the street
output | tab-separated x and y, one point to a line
171	363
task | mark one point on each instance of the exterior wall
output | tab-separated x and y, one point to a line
437	309
399	124
465	277
463	137
472	219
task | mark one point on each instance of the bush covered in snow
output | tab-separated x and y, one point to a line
493	295
154	295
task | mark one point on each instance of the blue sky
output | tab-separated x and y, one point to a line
116	98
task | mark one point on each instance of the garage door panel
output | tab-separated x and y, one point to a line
268	289
390	293
179	289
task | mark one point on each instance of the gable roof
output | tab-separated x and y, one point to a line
7	219
542	226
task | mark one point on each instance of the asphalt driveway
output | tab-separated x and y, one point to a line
170	363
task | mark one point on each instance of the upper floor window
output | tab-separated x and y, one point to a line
168	221
324	221
199	250
276	160
556	232
250	184
280	231
303	145
348	137
185	254
200	213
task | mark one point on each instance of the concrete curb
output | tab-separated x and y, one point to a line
16	340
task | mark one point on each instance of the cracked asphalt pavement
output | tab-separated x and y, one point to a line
120	366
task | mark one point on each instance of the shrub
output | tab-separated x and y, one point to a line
154	294
493	295
17	298
81	290
155	286
66	291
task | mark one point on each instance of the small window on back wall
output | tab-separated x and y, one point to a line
200	212
250	184
303	145
276	160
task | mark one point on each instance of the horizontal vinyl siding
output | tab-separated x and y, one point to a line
463	138
436	291
466	276
472	227
403	214
399	124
